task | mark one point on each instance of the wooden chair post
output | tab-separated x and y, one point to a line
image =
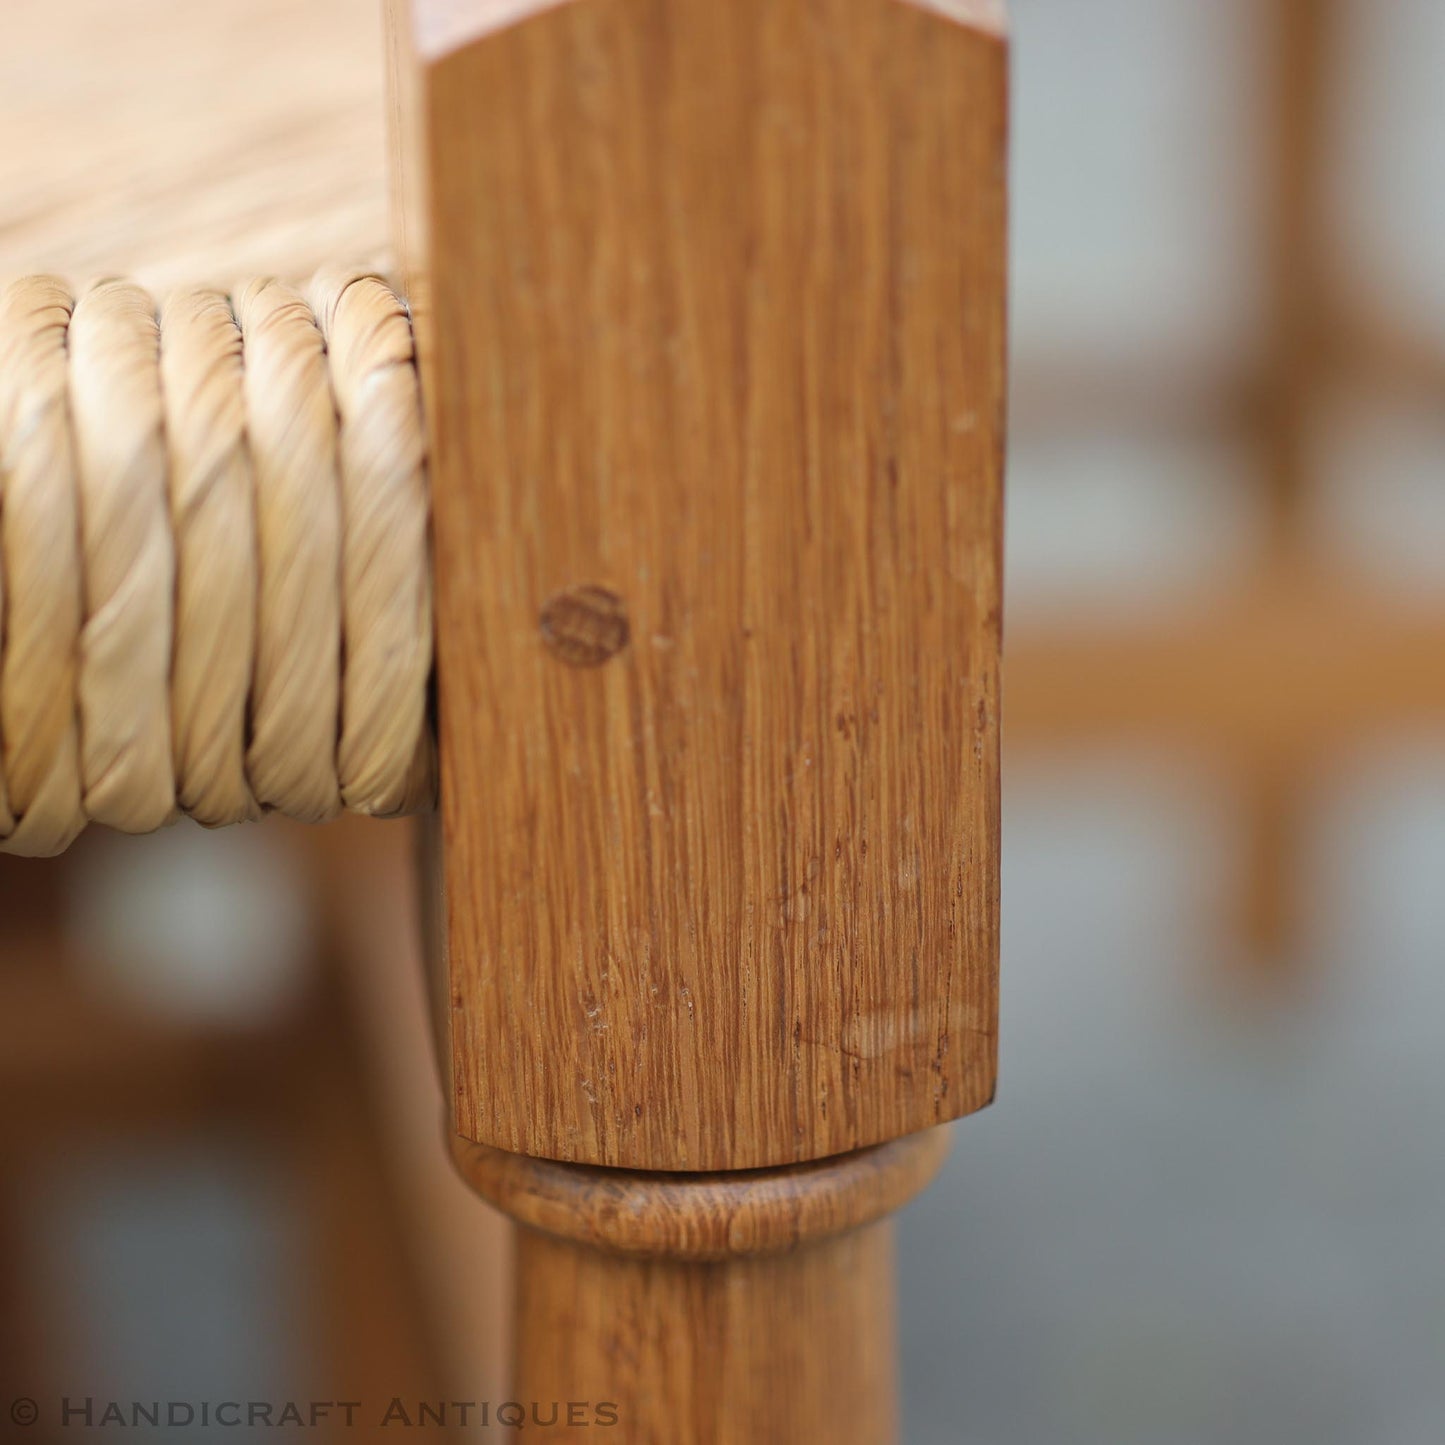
710	310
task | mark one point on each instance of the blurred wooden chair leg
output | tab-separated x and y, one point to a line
1270	907
365	886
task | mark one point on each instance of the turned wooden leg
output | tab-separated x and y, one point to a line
708	1308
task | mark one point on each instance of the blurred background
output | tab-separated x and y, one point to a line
1205	1207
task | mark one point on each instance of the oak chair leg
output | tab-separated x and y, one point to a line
714	1309
762	1350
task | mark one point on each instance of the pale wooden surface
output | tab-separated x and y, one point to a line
191	142
715	323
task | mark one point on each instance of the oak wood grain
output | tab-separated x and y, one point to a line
711	305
